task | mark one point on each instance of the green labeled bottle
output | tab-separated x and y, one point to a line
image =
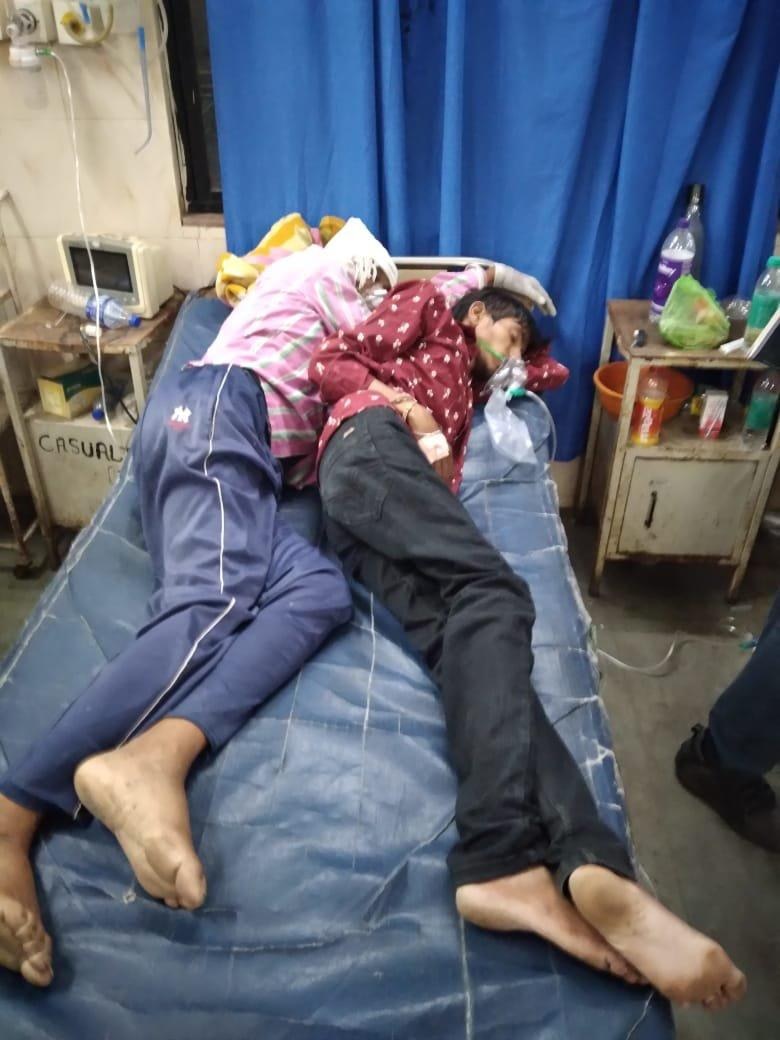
766	299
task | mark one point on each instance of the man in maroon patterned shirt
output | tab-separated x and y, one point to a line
533	854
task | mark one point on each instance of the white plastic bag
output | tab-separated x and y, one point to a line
511	376
508	431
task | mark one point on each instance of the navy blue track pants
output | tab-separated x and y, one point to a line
242	601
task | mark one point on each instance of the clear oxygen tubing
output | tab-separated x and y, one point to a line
47	52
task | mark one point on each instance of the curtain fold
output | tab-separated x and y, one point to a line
558	137
300	120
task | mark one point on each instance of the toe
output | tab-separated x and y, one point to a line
736	987
617	965
37	970
716	1002
32	938
191	884
179	870
28	927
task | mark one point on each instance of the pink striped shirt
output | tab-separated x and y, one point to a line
274	331
276	328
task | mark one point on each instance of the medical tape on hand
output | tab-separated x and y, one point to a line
434	446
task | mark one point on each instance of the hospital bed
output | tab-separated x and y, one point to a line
323	825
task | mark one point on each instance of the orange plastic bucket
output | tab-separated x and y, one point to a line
610	380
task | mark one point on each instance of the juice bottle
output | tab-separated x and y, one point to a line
647	416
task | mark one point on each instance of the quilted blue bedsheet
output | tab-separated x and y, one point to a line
323	826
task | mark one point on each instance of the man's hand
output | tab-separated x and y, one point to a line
523	285
445	468
422	424
420	421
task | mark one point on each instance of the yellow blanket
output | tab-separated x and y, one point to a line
235	274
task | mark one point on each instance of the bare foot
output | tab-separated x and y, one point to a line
140	797
531	902
683	964
24	945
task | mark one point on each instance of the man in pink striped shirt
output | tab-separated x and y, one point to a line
273	333
241	600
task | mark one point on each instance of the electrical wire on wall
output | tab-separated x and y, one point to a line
163	26
47	52
5	195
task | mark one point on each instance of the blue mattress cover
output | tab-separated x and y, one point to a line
323	826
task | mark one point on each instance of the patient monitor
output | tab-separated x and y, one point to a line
134	272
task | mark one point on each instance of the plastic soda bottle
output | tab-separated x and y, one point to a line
761	410
766	299
647	417
74	299
676	259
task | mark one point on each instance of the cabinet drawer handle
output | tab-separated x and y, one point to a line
651	509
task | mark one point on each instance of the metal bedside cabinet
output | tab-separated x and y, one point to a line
687	498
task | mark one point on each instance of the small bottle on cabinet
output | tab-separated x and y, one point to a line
761	410
647	416
75	299
677	254
766	299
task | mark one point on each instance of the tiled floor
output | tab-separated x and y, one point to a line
718	882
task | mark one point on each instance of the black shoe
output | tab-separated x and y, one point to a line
744	801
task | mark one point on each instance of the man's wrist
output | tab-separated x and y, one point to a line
403	404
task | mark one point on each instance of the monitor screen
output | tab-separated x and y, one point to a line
111	269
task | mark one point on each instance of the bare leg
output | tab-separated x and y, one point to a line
138	792
683	964
531	902
24	945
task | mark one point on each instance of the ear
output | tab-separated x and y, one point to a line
475	312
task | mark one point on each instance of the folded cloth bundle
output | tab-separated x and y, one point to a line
288	235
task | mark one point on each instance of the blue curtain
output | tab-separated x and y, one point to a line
556	136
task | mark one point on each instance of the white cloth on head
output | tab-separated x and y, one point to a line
356	248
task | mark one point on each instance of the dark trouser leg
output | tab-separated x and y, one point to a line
405	536
745	720
577	833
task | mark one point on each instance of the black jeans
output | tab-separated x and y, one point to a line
521	798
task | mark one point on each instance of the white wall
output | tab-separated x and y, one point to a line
123	193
